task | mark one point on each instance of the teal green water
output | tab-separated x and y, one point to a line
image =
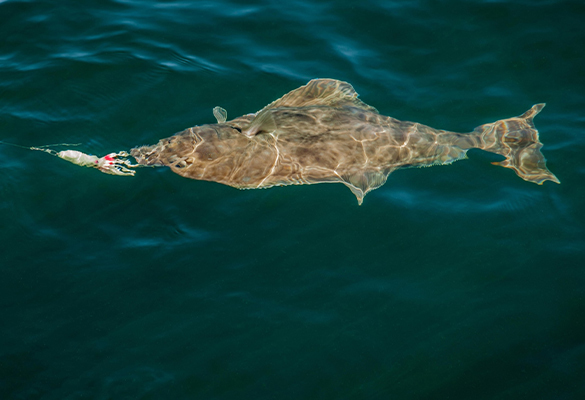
453	282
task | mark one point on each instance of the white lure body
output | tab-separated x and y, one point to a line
109	164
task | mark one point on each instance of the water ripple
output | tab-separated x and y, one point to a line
508	200
167	239
163	287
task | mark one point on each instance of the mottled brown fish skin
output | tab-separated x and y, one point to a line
323	133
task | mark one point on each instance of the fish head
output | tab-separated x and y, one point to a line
202	152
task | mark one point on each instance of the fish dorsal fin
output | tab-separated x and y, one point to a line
321	92
318	92
360	183
220	114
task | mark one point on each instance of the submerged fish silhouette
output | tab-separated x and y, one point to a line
322	133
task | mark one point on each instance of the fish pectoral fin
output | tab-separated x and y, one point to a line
321	92
220	114
360	183
263	122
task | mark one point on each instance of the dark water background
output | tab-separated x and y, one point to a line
456	282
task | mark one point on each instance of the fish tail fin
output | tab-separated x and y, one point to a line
517	139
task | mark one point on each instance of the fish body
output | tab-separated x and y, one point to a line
322	133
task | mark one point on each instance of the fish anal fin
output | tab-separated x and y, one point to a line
360	183
321	92
359	194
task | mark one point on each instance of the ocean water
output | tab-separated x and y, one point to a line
451	282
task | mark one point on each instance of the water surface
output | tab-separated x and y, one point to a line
457	282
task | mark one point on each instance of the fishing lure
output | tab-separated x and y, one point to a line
113	163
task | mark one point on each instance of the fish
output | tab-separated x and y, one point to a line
323	133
